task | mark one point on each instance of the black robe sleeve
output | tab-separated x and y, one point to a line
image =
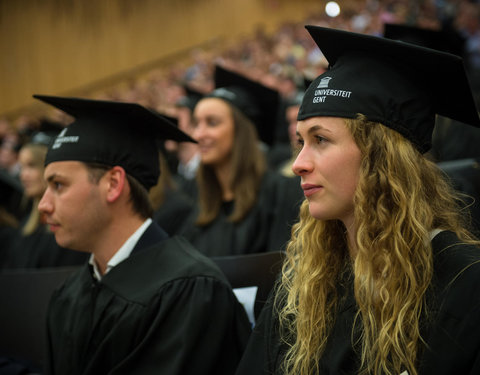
263	350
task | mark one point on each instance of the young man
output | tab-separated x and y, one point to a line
145	303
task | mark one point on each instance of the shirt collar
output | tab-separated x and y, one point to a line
189	169
122	253
434	233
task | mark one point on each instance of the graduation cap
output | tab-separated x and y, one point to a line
256	101
189	100
46	133
112	133
446	40
401	85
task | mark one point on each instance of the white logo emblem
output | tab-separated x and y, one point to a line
61	139
322	91
224	93
324	82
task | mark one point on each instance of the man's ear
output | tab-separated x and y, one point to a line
115	179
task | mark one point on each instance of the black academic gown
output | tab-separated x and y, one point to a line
173	212
40	250
453	337
164	310
266	227
8	235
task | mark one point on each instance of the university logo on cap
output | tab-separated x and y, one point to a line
324	82
322	92
61	139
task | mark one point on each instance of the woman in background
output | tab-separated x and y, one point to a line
35	246
241	206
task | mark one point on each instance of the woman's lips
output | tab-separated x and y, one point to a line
309	189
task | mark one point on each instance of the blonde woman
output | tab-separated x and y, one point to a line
35	246
382	275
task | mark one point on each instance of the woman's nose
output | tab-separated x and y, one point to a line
198	131
302	164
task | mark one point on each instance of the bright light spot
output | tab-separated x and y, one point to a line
332	9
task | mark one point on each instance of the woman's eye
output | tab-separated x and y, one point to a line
213	122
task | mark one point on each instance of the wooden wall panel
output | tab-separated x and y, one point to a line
61	47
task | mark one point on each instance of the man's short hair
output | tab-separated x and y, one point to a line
138	193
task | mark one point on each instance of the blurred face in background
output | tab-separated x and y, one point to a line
8	153
31	159
291	116
214	129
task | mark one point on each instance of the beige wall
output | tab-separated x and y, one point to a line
62	47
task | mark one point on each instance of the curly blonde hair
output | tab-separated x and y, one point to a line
400	198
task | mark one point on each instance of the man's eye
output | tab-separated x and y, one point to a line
320	139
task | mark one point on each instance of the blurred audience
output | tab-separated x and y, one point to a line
283	61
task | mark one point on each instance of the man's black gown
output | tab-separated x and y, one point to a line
164	310
452	336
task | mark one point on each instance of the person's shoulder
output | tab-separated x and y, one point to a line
76	280
451	255
456	274
179	250
148	272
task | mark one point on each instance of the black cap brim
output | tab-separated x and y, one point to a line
139	116
264	98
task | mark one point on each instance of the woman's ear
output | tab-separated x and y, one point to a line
115	180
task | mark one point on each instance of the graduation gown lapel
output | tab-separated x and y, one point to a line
98	306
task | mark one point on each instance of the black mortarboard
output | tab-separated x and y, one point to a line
190	99
46	132
256	101
395	83
445	40
112	133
